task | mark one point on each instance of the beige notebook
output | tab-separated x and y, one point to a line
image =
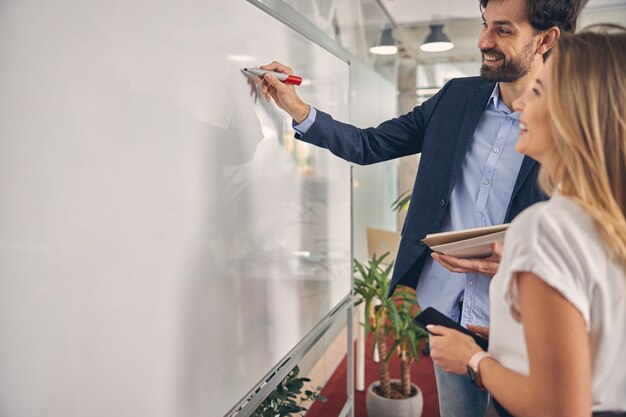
468	243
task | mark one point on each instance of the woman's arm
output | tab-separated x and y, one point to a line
558	352
559	381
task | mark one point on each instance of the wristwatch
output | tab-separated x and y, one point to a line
472	367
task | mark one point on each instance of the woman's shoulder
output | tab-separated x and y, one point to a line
558	222
558	213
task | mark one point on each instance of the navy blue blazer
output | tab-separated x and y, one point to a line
441	129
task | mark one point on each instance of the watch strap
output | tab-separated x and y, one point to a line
474	362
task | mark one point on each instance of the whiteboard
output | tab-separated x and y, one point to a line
164	241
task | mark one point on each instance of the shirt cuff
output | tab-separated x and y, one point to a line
303	127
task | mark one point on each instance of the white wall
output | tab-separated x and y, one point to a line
372	100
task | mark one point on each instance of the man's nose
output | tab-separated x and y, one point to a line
486	40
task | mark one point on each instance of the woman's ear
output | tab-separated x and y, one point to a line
548	40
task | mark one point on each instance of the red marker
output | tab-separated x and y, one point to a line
287	79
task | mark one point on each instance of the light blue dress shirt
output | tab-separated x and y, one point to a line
303	127
480	197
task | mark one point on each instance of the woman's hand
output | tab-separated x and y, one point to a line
451	349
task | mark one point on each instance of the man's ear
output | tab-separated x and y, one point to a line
548	39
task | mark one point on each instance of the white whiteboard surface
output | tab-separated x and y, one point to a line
163	240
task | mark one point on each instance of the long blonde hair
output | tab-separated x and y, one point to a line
588	109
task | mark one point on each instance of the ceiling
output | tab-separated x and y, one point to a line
358	24
462	24
408	13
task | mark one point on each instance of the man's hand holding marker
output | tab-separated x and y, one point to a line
285	78
278	83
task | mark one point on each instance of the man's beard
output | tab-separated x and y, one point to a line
511	69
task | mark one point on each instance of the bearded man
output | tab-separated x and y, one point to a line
469	174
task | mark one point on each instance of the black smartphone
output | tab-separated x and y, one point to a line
433	316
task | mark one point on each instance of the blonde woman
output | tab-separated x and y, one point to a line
558	325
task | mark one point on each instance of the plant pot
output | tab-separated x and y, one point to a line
378	406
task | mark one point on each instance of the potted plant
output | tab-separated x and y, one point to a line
391	319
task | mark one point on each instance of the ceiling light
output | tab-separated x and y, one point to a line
436	41
386	46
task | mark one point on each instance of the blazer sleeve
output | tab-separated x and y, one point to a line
392	139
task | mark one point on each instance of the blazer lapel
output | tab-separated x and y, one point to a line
527	165
473	112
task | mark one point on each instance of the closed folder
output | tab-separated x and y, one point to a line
468	243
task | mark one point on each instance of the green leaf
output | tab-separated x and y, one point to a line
402	202
392	350
414	350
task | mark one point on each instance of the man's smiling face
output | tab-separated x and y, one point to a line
507	41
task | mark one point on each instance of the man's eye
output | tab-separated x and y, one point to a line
503	32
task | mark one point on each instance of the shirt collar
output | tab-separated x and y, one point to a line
498	104
495	96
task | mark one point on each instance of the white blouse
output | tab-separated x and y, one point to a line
558	242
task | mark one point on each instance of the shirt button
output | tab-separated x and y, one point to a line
470	283
442	203
480	214
508	117
496	150
486	181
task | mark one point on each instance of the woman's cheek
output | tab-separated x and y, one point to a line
520	145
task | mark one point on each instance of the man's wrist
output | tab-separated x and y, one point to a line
301	113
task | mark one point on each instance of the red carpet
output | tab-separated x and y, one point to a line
422	374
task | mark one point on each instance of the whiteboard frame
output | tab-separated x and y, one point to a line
296	21
249	403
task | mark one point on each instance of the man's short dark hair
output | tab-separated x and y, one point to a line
544	14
